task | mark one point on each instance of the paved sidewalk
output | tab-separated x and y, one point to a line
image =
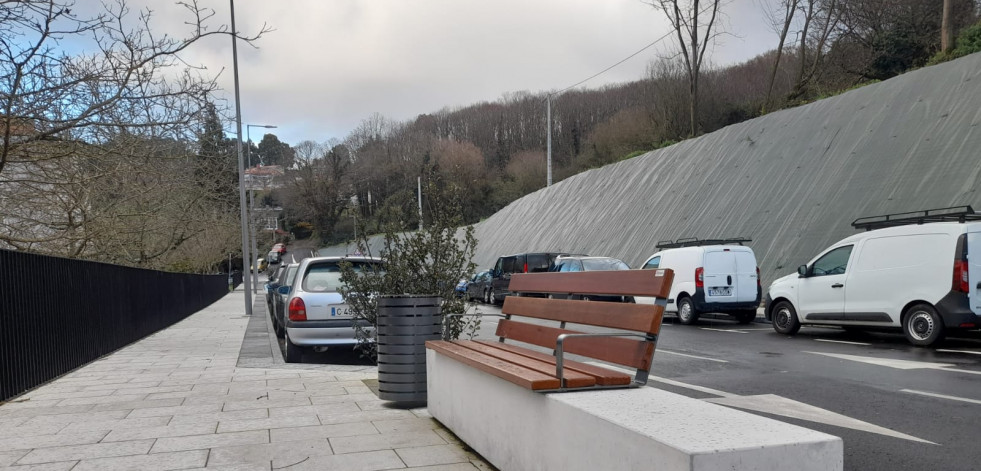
180	399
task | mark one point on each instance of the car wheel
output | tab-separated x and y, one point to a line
493	297
745	317
922	325
785	318
293	351
587	298
687	314
486	297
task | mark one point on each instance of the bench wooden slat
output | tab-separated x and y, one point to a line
573	379
516	374
625	316
622	351
651	283
604	376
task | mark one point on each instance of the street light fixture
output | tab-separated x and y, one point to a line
252	229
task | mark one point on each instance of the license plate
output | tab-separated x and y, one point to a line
339	310
726	291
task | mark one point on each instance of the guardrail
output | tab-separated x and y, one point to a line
57	314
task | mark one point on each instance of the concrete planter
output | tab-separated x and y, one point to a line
405	323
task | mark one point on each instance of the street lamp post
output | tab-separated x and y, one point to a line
252	222
241	168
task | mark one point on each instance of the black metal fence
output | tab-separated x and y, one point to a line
57	314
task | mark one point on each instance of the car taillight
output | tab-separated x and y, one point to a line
298	310
960	276
699	277
526	268
759	283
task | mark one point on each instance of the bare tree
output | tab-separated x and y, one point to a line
820	18
97	148
49	94
693	22
782	26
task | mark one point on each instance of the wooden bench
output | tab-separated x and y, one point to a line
632	343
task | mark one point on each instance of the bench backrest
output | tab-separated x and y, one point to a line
644	319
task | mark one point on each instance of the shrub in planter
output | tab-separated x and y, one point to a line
429	262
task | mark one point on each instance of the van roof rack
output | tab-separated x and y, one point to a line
695	242
952	214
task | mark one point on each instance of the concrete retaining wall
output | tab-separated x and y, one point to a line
792	181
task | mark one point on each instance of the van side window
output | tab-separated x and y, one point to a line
508	265
833	262
537	263
652	263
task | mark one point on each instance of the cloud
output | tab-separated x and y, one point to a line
330	64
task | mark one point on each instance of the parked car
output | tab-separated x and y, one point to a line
273	258
519	263
460	290
905	273
263	264
575	263
270	287
316	315
479	287
717	275
280	248
279	299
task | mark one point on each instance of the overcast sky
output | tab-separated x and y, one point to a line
331	63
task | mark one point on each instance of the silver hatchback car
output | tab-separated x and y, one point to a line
316	315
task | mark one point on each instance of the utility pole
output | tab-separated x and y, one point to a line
548	125
246	276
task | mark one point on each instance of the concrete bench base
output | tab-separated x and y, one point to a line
642	428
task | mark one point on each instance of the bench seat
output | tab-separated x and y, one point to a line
525	367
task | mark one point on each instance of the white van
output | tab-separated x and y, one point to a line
709	276
916	277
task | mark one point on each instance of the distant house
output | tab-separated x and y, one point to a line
264	177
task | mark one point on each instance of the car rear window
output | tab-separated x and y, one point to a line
598	264
326	277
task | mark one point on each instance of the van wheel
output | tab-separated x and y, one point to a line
785	318
293	351
922	325
687	314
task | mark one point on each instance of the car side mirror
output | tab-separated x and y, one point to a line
283	290
802	271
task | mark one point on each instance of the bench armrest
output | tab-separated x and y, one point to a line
559	347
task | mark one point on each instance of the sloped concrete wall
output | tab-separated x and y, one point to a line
793	181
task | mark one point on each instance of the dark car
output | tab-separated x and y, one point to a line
479	287
575	263
535	262
279	299
271	285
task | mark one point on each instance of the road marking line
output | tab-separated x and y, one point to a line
958	351
941	396
724	330
842	341
691	356
755	330
899	364
778	405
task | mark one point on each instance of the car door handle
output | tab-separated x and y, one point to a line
837	285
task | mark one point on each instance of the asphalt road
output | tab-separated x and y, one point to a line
897	407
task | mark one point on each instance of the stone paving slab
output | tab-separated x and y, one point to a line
208	394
